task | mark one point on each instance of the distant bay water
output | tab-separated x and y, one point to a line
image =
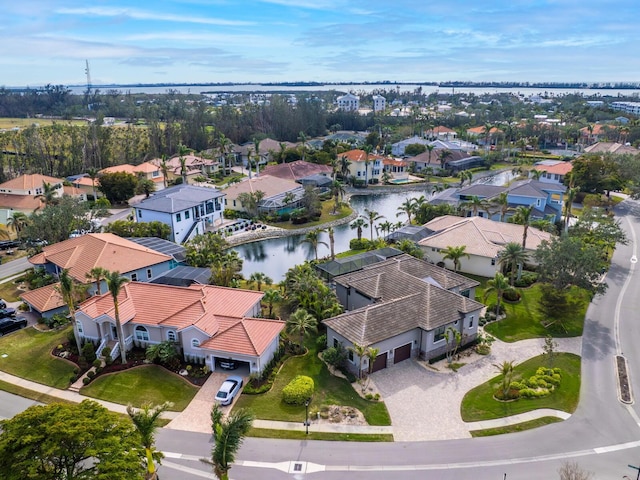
368	88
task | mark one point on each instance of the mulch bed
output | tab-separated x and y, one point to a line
623	379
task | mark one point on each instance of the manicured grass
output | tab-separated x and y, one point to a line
28	356
326	216
140	385
329	390
336	437
30	394
518	427
524	321
9	291
350	253
479	403
6	122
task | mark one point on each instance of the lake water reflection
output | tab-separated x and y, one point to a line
275	256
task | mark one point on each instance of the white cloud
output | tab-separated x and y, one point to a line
145	15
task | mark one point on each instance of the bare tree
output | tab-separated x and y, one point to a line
572	471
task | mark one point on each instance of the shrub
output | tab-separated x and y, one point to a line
298	390
491	311
86	380
89	352
511	295
97	363
526	280
347	373
56	320
284	217
321	342
335	357
91	374
355	244
106	352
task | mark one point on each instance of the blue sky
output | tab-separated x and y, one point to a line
173	41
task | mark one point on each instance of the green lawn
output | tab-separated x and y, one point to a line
335	437
518	427
523	320
140	385
479	403
9	291
326	216
28	356
329	390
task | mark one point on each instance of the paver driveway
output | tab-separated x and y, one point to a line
425	404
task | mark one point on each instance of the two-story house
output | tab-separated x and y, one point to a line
187	209
404	307
364	167
348	102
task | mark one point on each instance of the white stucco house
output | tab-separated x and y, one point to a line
187	209
208	323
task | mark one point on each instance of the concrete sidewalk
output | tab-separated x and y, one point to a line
515	419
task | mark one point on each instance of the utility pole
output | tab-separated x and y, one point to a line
88	92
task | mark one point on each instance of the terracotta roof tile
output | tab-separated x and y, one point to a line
81	254
359	156
296	170
561	168
45	298
19	202
30	182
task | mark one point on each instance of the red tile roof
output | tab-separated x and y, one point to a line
45	298
105	250
217	311
30	182
359	156
296	170
561	168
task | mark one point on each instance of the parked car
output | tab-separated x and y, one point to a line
229	389
228	364
8	325
3	304
7	312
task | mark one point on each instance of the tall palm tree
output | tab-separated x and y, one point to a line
182	151
303	143
385	227
228	434
443	156
367	151
474	204
498	284
270	298
372	216
506	370
344	166
146	423
408	208
48	196
360	351
455	254
224	144
523	217
513	255
502	202
115	281
97	274
486	129
164	168
92	173
313	239
332	242
430	148
67	289
571	195
358	224
337	192
301	323
372	354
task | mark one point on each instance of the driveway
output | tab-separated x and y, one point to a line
424	404
197	416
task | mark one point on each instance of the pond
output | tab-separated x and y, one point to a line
275	256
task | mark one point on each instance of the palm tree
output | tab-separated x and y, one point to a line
474	204
372	216
224	145
571	195
182	151
337	192
97	274
372	354
271	297
360	351
115	281
498	284
48	195
228	435
332	242
92	173
301	323
358	224
429	148
303	143
67	289
464	176
17	222
536	174
455	254
385	227
313	239
259	278
145	421
513	255
502	202
407	207
443	156
367	150
487	134
523	217
164	168
506	370
344	166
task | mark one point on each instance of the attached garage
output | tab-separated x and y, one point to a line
380	362
402	353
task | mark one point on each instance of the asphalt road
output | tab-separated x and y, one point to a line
603	435
14	267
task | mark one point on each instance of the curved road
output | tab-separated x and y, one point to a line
603	435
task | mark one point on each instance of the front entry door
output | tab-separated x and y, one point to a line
114	332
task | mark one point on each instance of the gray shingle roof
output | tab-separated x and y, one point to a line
178	198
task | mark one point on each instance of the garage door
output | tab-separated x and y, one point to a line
402	353
380	362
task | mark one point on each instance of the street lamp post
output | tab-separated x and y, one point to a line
306	408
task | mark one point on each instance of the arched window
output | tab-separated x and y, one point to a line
171	336
195	343
79	326
142	334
